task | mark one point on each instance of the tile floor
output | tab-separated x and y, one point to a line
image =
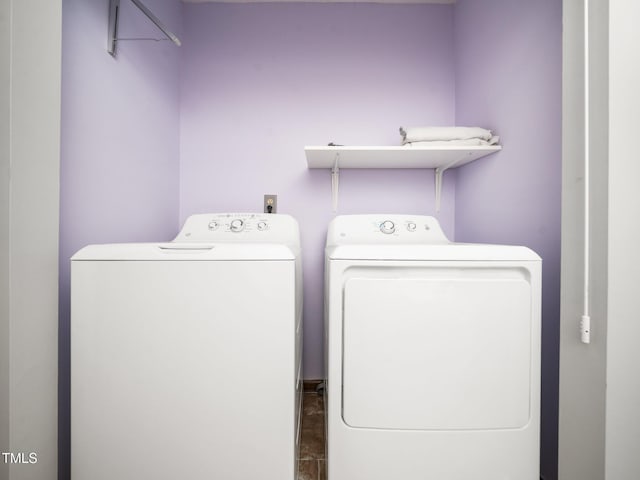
313	463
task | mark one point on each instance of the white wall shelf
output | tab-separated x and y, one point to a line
438	157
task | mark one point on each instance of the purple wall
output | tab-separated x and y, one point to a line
509	77
261	81
120	145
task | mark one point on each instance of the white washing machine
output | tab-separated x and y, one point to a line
186	356
432	352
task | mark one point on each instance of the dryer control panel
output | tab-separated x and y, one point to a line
385	229
240	228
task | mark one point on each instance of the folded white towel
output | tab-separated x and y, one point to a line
465	142
429	134
472	142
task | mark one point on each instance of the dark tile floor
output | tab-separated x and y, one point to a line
312	455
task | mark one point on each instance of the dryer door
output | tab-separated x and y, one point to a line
442	348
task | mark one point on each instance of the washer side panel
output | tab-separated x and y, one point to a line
183	369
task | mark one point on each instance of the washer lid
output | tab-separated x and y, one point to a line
443	252
175	251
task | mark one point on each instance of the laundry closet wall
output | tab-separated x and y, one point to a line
261	81
119	153
160	132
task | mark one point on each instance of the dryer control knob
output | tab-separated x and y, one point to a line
262	225
213	225
411	227
387	227
236	225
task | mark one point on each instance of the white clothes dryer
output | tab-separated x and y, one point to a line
186	356
432	354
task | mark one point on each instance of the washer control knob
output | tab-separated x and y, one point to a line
387	227
236	225
213	225
262	225
411	227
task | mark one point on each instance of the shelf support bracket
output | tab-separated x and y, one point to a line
335	182
438	177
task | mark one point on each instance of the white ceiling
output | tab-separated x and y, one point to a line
318	1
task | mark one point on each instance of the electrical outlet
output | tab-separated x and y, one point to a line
270	204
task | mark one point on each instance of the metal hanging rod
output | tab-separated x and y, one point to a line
114	10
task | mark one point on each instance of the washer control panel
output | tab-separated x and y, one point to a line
239	227
368	229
